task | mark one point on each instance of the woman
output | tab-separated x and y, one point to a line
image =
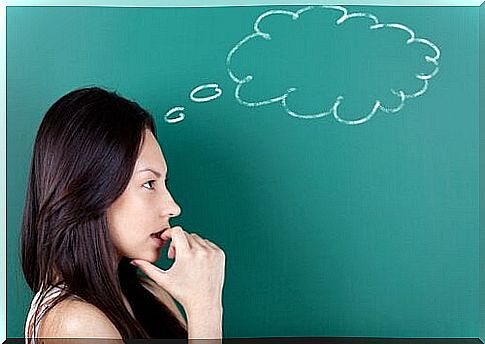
96	202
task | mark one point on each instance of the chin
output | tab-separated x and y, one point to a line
151	257
148	253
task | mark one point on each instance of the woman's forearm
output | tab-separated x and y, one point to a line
205	324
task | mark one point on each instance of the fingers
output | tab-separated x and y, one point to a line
204	242
211	244
184	241
178	236
171	252
181	241
148	268
207	244
199	240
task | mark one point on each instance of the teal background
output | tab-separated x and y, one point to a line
218	3
482	176
329	230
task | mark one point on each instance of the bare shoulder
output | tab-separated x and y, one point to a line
72	318
164	297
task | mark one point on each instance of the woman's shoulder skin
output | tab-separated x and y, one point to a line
74	318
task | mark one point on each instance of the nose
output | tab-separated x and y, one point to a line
171	208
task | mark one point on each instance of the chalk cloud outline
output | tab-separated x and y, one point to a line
334	109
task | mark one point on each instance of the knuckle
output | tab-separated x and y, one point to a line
203	253
210	243
221	253
177	230
190	254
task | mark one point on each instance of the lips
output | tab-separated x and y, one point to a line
157	237
159	233
158	241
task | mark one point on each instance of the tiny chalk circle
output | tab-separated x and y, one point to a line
179	118
215	87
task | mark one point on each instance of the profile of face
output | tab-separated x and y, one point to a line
145	206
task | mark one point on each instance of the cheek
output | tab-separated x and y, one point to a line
129	218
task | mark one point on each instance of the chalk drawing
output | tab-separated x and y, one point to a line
193	97
173	110
334	109
216	88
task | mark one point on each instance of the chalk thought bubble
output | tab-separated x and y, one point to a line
359	37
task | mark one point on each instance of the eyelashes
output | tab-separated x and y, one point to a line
153	181
149	188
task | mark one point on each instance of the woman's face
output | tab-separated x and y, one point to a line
144	208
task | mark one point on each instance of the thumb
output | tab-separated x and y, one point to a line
152	271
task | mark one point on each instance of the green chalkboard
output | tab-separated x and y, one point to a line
342	187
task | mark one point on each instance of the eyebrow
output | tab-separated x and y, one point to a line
158	174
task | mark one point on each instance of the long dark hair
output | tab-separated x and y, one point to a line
83	158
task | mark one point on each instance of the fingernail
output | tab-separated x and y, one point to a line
133	263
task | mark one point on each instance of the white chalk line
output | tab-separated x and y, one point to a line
334	110
181	115
177	119
215	87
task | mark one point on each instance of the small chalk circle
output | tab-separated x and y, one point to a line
179	118
215	87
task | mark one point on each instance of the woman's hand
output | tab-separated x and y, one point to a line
196	277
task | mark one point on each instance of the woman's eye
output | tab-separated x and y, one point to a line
149	188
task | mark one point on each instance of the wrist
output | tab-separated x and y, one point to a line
205	322
213	310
